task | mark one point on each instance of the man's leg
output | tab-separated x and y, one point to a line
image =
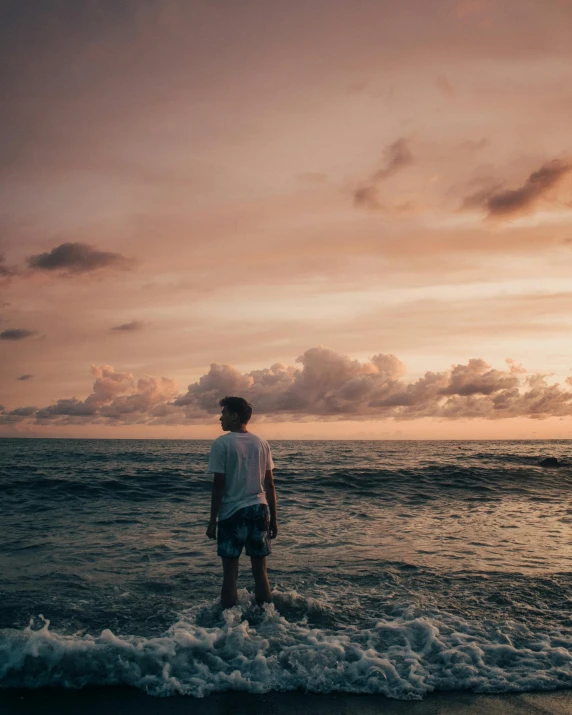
229	594
261	584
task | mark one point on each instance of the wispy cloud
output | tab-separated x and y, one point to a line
25	377
128	327
17	334
396	156
509	202
367	196
75	258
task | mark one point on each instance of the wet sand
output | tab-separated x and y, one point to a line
128	701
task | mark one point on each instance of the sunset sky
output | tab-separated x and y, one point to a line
357	214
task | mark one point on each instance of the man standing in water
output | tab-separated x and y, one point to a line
243	498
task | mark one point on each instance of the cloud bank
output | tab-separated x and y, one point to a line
74	258
324	385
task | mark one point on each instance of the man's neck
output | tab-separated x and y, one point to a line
239	429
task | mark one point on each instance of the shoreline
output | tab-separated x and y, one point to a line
122	700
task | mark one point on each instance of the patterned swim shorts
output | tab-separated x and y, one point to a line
246	527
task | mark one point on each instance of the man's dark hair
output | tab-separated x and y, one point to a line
239	406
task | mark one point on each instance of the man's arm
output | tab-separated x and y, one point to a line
216	501
271	499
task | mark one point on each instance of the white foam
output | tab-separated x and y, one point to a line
259	650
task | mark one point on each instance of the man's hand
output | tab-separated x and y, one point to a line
211	530
270	492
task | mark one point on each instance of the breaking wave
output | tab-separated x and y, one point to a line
277	648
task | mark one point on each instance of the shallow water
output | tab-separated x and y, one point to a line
400	567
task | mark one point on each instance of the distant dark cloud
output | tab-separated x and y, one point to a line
17	334
324	385
20	414
25	377
396	156
23	411
6	272
500	203
71	407
74	258
367	196
128	327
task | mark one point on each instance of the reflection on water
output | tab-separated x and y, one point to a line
471	506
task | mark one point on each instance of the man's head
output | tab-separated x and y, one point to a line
235	413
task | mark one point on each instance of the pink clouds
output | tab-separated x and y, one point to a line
326	386
477	378
144	403
115	396
109	384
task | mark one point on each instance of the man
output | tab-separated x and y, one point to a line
243	498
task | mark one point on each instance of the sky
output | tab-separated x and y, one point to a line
357	214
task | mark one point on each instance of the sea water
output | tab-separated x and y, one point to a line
399	568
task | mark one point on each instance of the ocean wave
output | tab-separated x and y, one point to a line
125	487
159	470
276	648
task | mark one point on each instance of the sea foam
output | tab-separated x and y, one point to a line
260	649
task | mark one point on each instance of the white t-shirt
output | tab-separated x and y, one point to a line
244	459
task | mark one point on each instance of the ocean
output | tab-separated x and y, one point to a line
400	568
